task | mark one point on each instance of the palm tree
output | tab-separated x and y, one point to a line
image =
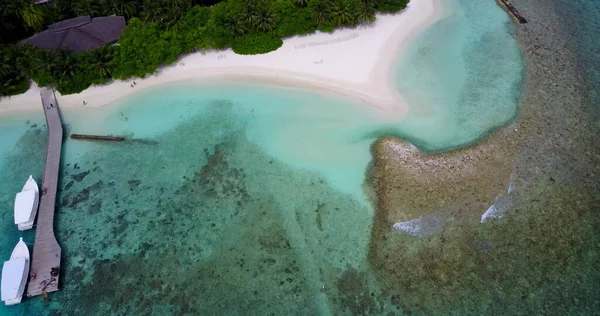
101	61
127	8
33	16
171	23
153	12
239	25
246	17
341	13
87	7
264	19
321	17
5	68
64	64
321	9
64	9
179	5
11	8
301	3
7	56
366	12
27	60
45	61
7	86
175	11
251	3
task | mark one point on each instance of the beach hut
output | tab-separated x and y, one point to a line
79	34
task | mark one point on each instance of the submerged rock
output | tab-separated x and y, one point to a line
80	176
134	183
84	195
69	185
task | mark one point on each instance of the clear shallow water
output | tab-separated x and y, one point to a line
13	127
210	209
461	77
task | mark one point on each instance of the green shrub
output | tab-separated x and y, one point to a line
74	84
256	43
293	20
326	28
14	86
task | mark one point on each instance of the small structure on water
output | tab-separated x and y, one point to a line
98	137
14	274
513	10
26	205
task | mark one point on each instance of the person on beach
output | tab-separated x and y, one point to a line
84	103
44	189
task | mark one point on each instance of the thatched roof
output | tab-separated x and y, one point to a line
79	34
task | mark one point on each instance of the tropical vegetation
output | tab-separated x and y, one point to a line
158	32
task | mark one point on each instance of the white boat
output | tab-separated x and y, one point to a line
14	274
26	205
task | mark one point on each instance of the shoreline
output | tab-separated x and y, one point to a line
351	62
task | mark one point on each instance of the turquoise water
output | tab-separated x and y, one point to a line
245	199
461	77
210	207
13	127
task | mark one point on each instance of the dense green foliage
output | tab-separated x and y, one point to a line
256	43
158	32
12	80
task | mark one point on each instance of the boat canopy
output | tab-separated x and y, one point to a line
12	274
24	206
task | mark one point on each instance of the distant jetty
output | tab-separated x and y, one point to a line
98	137
513	11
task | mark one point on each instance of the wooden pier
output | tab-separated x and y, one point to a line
45	262
512	10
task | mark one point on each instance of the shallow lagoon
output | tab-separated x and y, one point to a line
220	206
462	77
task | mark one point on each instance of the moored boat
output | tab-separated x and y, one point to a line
14	274
26	205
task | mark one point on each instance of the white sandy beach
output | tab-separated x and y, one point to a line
354	62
